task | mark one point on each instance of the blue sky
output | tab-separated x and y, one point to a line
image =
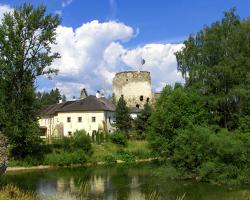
156	25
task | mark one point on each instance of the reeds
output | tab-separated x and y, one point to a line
14	193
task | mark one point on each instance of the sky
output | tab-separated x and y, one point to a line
98	38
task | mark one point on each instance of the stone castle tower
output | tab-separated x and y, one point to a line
135	86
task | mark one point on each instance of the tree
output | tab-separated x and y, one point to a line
177	108
216	63
48	98
64	99
26	36
142	121
123	119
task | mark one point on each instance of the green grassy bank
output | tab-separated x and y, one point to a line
107	152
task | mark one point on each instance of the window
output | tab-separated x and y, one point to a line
79	119
93	119
147	99
69	133
68	119
137	106
109	119
141	98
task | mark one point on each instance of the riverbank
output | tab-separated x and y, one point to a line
42	167
105	153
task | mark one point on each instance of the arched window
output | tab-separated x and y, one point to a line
147	99
137	106
141	98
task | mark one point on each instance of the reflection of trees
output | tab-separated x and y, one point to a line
120	182
116	182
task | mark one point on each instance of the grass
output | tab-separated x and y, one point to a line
105	152
11	192
111	152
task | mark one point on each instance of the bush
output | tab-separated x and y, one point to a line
110	159
66	158
119	137
222	157
125	156
192	148
82	141
64	143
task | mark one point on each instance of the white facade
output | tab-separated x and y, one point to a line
66	123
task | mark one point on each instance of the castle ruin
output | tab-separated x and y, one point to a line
135	86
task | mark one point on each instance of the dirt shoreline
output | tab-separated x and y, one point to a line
41	167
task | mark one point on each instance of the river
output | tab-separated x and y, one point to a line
117	182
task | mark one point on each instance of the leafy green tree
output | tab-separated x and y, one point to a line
216	63
122	116
26	36
142	121
176	108
48	98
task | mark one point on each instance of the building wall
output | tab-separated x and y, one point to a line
86	124
135	86
58	125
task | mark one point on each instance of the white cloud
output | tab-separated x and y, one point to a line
58	12
66	3
69	88
4	9
92	54
82	51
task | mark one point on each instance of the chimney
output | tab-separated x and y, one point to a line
83	93
98	94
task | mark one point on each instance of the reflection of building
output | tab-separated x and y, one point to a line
97	184
92	113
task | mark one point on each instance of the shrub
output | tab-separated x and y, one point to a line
82	141
64	143
66	158
119	137
110	159
191	148
125	156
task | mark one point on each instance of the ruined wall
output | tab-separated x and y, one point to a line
135	86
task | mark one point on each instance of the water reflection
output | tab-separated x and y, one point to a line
117	182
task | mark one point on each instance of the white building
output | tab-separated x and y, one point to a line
91	114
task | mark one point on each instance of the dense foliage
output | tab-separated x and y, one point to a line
119	137
216	64
26	35
122	116
203	126
82	140
141	123
48	98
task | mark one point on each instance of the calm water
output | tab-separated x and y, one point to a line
117	182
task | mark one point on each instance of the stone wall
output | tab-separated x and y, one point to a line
3	154
135	86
